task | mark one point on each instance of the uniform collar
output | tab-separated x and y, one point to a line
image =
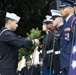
68	17
3	28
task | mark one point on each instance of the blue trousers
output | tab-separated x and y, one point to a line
50	72
57	74
65	71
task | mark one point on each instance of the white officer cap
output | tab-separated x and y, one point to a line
55	13
12	16
48	18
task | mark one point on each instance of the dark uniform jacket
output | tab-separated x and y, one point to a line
66	42
9	45
47	45
51	57
56	55
31	71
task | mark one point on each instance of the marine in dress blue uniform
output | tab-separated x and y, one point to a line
10	44
47	44
52	50
66	36
57	22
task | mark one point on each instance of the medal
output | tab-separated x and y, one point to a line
67	36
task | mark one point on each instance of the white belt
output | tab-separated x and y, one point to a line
57	52
50	51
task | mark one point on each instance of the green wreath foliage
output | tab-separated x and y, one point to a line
34	33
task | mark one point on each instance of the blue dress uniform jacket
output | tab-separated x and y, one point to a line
9	45
66	43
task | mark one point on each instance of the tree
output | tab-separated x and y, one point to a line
32	12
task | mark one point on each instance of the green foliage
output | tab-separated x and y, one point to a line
35	33
24	52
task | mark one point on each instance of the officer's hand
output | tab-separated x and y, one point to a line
36	41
